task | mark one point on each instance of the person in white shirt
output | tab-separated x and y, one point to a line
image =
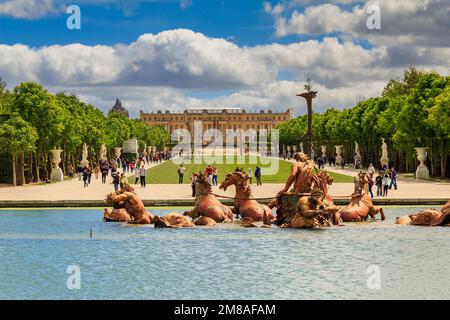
250	174
142	172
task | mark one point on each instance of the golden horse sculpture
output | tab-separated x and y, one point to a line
127	207
308	201
431	217
207	209
244	203
361	206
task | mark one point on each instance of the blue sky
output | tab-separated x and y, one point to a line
244	22
174	54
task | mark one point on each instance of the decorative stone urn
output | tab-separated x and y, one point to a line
56	174
422	171
324	151
117	152
339	159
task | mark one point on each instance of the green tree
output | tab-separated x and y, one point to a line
17	136
40	108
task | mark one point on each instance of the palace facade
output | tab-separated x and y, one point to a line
222	119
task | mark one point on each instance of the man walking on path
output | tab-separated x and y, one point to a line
193	181
215	174
385	184
250	174
258	176
181	169
393	178
142	174
137	174
105	170
369	178
116	180
379	183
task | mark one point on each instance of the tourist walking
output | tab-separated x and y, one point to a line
69	170
370	180
96	171
79	171
393	178
105	170
116	180
250	175
385	185
379	184
215	174
137	174
89	174
142	174
181	170
193	181
85	176
258	176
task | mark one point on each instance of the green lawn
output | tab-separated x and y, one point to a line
166	173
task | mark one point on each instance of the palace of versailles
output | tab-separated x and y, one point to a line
221	119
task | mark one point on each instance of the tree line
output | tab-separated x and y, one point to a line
34	121
411	112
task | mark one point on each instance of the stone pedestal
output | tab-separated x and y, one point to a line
56	174
422	171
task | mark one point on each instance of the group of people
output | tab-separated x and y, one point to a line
104	168
384	181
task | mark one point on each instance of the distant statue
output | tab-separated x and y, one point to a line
301	147
384	154
103	152
357	156
84	156
357	152
313	154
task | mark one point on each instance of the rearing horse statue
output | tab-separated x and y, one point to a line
244	203
206	204
361	206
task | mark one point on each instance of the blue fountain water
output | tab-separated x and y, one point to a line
226	262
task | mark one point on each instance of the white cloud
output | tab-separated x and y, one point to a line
180	68
27	9
419	22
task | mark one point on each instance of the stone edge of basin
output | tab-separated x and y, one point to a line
190	203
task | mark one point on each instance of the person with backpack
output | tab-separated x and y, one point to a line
258	176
